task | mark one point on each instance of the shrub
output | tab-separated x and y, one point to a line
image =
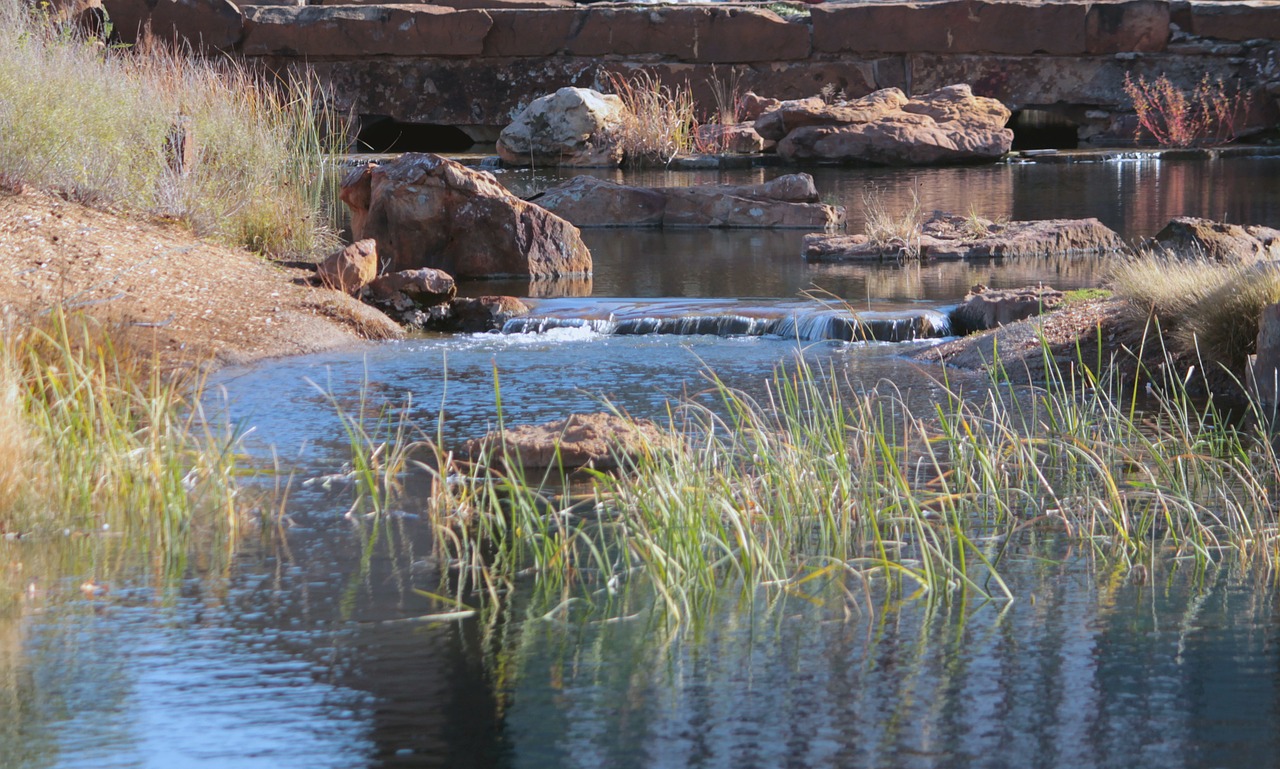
156	130
660	121
1204	117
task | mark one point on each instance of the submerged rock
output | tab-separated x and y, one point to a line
571	127
427	211
602	441
949	125
788	201
1189	237
984	308
484	313
945	236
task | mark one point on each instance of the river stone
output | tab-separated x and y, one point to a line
950	237
350	269
427	211
949	125
1190	237
601	441
984	308
571	127
788	201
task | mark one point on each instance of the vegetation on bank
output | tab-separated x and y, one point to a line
151	130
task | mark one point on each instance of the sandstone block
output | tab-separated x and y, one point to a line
1248	20
350	269
531	32
205	23
695	34
1127	25
375	30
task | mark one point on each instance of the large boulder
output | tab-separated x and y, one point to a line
984	308
350	269
784	117
788	201
949	125
571	127
428	211
602	441
1189	237
950	237
202	23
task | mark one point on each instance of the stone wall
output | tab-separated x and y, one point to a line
473	63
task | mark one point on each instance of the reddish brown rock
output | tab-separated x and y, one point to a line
350	269
532	32
203	23
949	125
418	288
1249	20
428	211
483	313
740	139
696	34
776	123
1127	25
788	201
1190	237
374	30
984	308
602	441
950	26
949	237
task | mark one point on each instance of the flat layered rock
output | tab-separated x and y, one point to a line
602	441
788	201
951	237
984	308
1190	237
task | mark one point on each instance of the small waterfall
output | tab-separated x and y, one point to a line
815	325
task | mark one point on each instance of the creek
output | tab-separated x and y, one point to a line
302	649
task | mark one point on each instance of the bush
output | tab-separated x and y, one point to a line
158	131
1204	117
660	122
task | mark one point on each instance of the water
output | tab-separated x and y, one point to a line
298	651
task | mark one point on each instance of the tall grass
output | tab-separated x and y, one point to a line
821	491
896	230
96	438
660	121
159	131
1205	308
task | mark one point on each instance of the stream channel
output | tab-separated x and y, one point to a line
294	654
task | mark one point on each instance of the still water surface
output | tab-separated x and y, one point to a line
296	652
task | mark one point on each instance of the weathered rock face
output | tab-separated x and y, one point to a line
428	211
602	441
350	269
948	237
571	127
203	23
388	30
788	201
483	313
740	139
984	308
1264	367
787	116
949	125
1191	238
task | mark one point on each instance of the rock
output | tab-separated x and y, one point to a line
601	441
949	125
788	201
787	116
477	314
428	211
350	269
202	23
411	296
984	308
314	31
1264	367
739	139
753	105
949	237
571	127
1189	237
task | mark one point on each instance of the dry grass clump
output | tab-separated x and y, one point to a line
96	437
1204	308
890	229
159	131
661	121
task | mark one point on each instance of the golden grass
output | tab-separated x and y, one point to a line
660	123
108	127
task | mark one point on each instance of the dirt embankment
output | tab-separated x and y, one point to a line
198	302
